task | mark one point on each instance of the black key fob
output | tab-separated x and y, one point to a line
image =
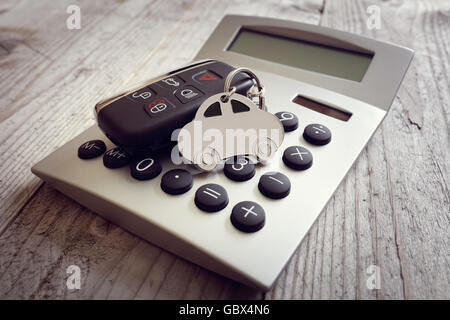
143	119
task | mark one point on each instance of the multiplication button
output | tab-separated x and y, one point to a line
317	134
248	216
274	185
211	197
297	158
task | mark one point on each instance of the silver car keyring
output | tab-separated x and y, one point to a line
229	91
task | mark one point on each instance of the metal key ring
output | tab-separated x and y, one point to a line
230	91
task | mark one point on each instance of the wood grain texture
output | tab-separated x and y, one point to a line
392	210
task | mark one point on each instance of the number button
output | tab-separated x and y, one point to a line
145	168
239	169
288	120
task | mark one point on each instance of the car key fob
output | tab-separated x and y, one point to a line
143	119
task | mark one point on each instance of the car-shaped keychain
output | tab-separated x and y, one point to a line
228	125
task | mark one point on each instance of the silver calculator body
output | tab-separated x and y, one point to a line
350	105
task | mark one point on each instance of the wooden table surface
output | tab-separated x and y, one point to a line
392	210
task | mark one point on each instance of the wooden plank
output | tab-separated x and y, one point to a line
392	210
95	63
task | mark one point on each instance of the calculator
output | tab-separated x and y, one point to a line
330	89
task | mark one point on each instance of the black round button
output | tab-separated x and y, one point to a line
297	158
317	134
145	168
239	169
288	119
248	216
211	197
176	181
116	158
274	185
91	149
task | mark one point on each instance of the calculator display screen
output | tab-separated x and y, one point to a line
301	54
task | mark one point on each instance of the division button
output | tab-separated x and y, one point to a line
297	158
91	149
145	168
274	185
211	197
248	216
116	158
239	169
288	119
317	134
176	181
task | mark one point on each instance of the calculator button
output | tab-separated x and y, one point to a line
116	158
297	158
239	169
274	185
158	106
172	82
145	168
91	149
188	94
288	120
248	216
317	134
206	76
143	95
176	181
211	197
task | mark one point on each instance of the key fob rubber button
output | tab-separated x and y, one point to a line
239	169
317	134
